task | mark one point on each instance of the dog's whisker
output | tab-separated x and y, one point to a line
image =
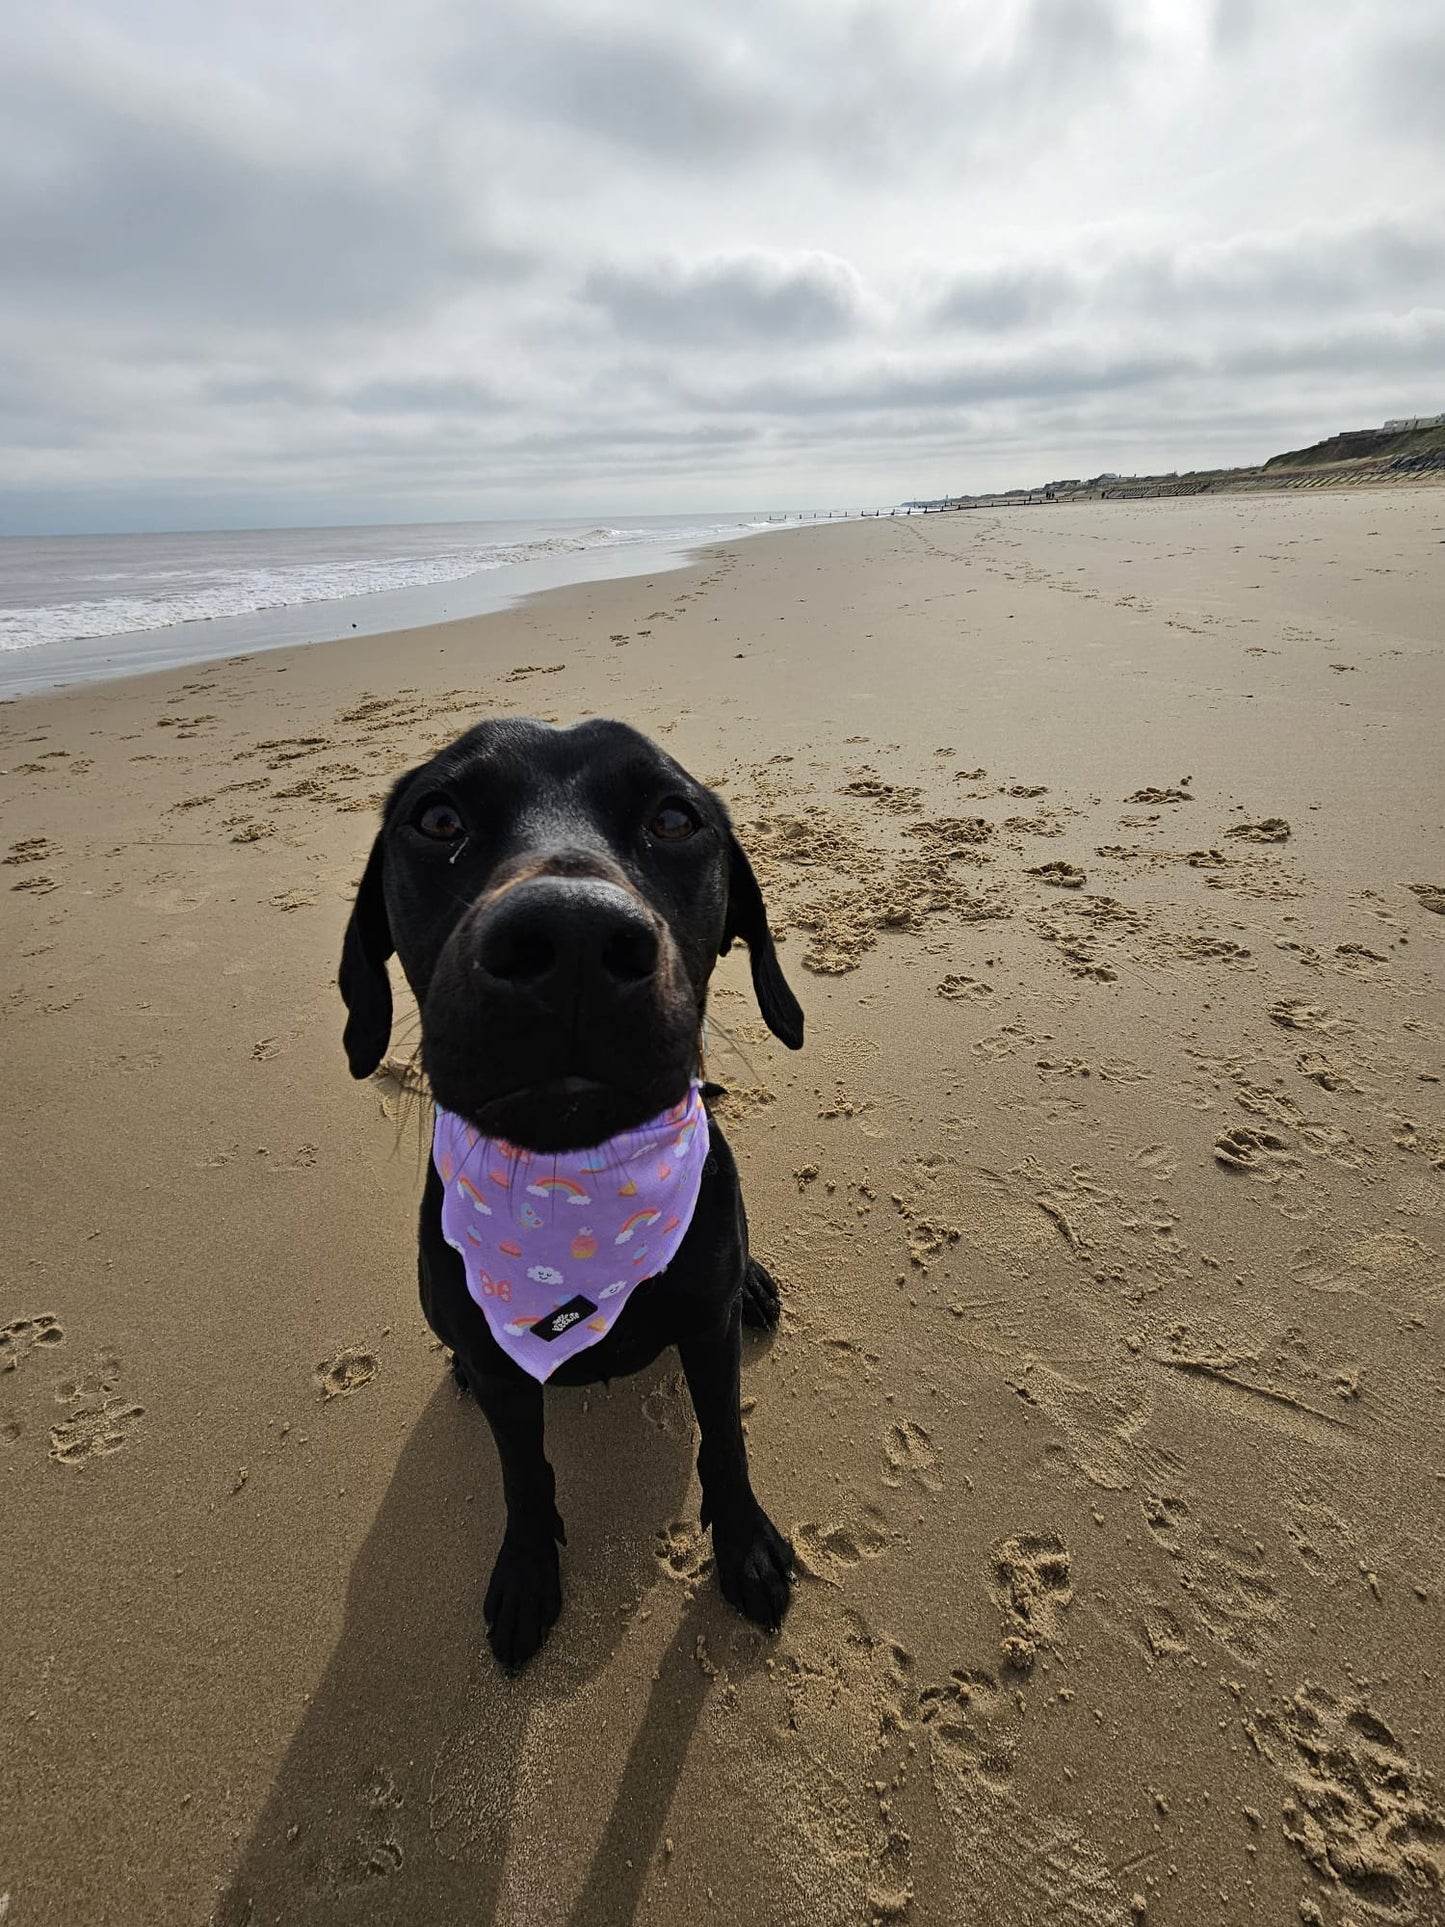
735	1048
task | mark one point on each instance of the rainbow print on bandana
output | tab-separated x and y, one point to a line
545	1279
639	1221
568	1188
472	1195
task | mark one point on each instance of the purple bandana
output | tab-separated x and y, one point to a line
555	1243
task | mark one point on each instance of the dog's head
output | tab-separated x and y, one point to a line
557	898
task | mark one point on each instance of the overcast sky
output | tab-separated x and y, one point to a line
268	262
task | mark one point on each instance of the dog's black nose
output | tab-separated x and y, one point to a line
551	934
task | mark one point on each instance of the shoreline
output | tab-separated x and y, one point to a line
399	611
1105	1197
195	643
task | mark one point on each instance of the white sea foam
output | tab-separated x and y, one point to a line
82	588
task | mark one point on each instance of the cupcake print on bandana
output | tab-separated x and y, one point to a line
554	1243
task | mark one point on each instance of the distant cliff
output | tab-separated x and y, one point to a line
1366	444
1355	457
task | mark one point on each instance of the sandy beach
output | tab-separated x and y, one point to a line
1107	1198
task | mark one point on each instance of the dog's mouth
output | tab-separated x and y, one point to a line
568	1113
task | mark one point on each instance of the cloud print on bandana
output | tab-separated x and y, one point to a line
552	1276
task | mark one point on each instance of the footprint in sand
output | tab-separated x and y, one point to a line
1160	1159
1325	1072
1431	896
1293	1013
840	1696
1263	1154
969	1714
1390	1268
24	1335
965	990
1163	1633
1228	1587
682	1550
1099	1424
1362	1814
1269	829
1064	876
100	1421
32	849
668	1406
347	1372
1012	1864
371	1849
1032	1583
909	1453
1360	959
827	1552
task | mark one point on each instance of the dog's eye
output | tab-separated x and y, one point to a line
673	822
440	821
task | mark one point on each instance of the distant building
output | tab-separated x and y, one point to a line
1403	422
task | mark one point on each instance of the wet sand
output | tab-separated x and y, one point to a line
1107	1199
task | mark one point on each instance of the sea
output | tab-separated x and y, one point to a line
77	608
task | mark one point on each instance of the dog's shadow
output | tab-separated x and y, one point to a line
396	1796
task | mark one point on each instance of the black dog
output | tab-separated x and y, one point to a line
558	898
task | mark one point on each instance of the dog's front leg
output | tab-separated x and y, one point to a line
754	1560
524	1596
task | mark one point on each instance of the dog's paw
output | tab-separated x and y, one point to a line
523	1599
761	1302
754	1568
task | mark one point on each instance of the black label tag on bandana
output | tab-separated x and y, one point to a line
563	1319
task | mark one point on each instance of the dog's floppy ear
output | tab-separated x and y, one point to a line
747	918
365	986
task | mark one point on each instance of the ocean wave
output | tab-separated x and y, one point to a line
153	592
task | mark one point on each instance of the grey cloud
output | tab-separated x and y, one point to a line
993	299
1390	349
409	395
1233	25
873	388
854	241
253	391
659	92
1406	89
919	89
1391	261
743	299
1393	264
425	395
141	210
854	88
